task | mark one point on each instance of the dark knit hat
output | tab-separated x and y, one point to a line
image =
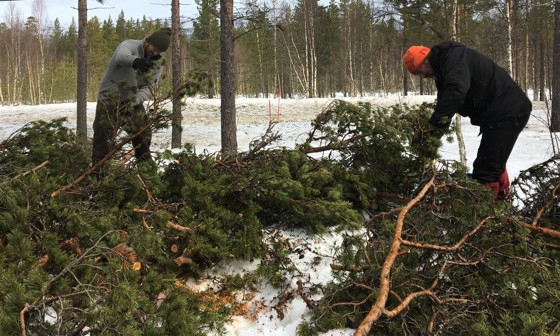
160	39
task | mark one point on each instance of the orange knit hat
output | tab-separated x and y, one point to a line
414	57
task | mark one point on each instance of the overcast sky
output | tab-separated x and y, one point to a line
64	10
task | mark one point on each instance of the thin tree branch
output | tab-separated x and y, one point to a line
448	248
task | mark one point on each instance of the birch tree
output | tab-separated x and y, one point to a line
14	71
458	119
39	12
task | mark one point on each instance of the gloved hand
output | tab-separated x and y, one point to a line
143	64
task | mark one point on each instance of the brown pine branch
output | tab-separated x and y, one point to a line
32	171
448	248
310	303
382	214
170	224
178	227
424	292
547	206
385	282
541	230
338	146
279	307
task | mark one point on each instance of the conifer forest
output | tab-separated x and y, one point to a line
304	49
113	248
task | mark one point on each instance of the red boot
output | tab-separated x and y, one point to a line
500	187
503	190
495	186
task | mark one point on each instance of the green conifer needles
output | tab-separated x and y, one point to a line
110	255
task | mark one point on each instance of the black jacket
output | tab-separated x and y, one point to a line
473	85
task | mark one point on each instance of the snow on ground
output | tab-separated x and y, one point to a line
312	254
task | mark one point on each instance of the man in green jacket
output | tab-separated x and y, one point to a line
473	85
130	79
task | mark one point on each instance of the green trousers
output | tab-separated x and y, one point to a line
110	117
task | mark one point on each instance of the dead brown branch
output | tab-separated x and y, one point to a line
383	214
178	227
310	304
182	260
279	307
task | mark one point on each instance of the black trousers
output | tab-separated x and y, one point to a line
110	117
495	148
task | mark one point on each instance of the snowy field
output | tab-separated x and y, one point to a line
201	125
312	254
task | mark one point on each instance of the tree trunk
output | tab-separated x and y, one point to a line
404	48
526	69
311	57
542	74
509	11
555	118
81	108
275	42
39	11
458	119
227	88
176	130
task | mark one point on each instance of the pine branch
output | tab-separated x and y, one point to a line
448	248
32	171
547	206
385	281
48	285
337	146
170	224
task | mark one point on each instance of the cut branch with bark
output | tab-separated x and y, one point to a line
385	282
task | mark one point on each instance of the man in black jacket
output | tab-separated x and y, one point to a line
474	86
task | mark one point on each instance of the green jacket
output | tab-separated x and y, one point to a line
124	83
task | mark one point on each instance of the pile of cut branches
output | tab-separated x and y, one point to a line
107	255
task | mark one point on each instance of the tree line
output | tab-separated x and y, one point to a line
304	49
